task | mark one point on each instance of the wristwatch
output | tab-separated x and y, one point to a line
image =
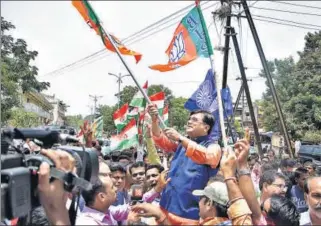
244	172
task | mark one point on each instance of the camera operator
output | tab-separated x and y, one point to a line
52	195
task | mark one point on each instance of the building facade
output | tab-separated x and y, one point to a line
37	103
58	111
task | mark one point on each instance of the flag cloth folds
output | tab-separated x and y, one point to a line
189	42
127	138
120	117
90	17
165	115
97	127
158	99
205	98
139	100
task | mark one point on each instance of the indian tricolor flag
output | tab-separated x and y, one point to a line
138	100
97	127
127	138
158	99
165	115
120	117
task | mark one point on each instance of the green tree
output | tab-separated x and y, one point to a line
299	89
21	118
107	113
74	121
178	115
17	72
127	94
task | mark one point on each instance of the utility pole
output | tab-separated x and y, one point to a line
119	81
267	74
95	99
246	90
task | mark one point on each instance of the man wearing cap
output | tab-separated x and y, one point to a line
195	160
219	203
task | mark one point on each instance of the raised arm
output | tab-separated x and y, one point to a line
238	211
159	138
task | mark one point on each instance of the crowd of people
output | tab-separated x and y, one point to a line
185	180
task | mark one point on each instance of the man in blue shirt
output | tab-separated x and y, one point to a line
297	191
196	160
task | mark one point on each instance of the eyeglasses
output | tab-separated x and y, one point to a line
194	119
281	186
136	174
151	175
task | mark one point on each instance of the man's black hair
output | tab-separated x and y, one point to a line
283	211
90	196
117	167
300	171
221	211
127	152
124	157
290	163
136	165
269	177
39	217
208	118
310	164
155	166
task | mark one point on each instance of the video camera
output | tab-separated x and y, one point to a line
19	180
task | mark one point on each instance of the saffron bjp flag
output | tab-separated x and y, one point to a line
189	42
90	17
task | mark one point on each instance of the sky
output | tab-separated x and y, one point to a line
60	35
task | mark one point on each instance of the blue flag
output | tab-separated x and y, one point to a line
205	98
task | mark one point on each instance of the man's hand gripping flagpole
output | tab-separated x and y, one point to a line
129	70
218	88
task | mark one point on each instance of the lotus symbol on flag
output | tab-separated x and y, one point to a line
204	97
124	136
178	49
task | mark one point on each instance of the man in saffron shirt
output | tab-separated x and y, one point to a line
196	160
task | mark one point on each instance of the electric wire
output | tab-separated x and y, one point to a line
287	11
129	38
290	21
128	44
290	25
295	4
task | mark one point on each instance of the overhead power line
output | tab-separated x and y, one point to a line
290	21
290	25
295	4
287	11
131	37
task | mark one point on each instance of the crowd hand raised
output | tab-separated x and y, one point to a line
147	210
228	163
52	195
153	111
162	181
88	134
148	131
172	134
242	149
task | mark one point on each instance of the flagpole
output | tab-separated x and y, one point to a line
127	67
218	88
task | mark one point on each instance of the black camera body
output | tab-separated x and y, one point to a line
19	177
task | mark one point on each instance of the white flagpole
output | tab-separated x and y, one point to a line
218	88
128	69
